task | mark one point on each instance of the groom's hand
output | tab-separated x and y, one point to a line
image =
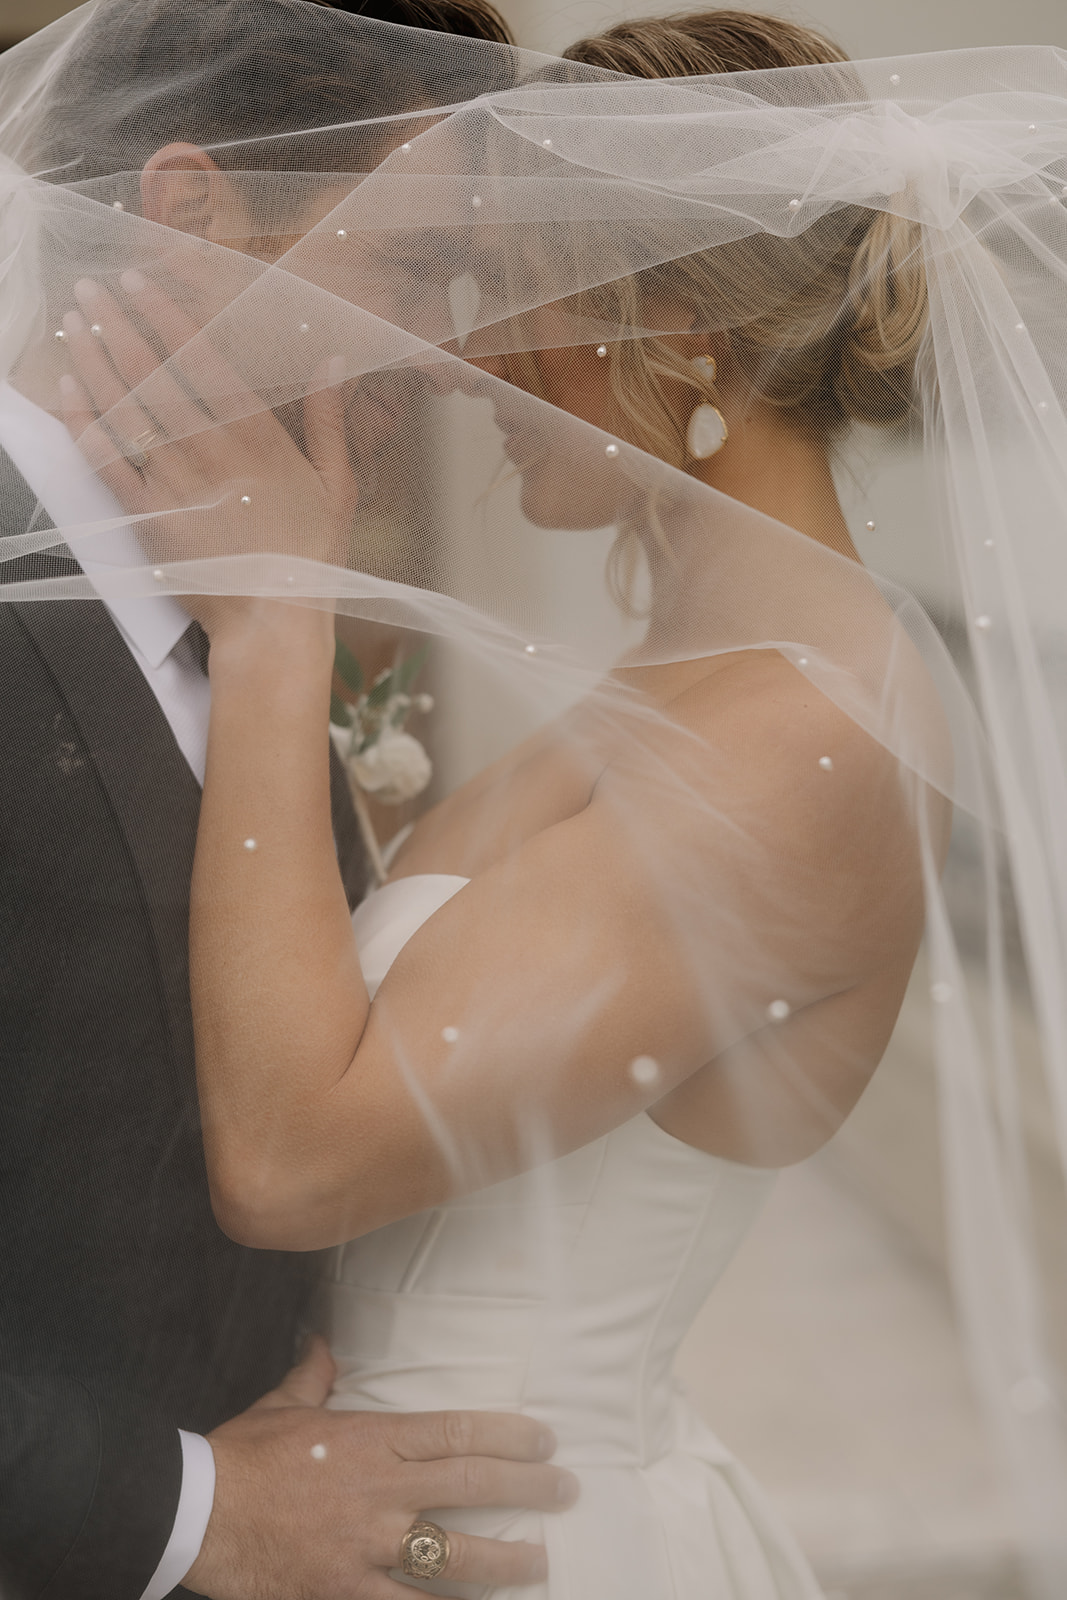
315	1503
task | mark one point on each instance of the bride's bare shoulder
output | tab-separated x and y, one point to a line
759	704
756	707
819	778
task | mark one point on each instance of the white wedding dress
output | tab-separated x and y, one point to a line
564	1293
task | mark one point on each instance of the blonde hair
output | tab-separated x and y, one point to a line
825	325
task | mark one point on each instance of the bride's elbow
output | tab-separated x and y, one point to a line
249	1221
264	1207
258	1207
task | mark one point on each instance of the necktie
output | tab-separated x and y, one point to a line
200	645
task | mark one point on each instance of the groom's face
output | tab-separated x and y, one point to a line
303	229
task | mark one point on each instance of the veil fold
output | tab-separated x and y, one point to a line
469	200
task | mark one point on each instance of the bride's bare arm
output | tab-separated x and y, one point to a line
716	868
663	898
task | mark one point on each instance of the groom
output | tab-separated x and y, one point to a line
151	1431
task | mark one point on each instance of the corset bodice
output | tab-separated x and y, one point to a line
564	1293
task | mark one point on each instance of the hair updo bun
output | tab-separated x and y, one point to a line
826	324
887	298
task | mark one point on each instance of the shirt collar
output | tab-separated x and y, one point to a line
72	494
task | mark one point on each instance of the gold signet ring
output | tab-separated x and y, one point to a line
424	1551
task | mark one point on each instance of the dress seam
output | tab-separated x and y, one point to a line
681	1267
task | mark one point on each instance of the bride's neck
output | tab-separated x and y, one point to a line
775	468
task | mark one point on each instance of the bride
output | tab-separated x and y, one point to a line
535	1090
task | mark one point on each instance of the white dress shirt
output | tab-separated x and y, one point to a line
154	628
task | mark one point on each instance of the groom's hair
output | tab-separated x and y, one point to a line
237	76
468	19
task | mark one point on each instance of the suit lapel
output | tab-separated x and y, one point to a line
151	791
149	786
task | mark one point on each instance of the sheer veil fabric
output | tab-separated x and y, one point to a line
470	200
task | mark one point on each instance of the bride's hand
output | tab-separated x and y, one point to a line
185	445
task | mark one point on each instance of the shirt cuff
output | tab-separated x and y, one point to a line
193	1514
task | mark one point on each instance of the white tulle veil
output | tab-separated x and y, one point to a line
470	199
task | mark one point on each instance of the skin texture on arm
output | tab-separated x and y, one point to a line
563	960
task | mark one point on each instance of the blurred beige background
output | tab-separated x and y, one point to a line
20	17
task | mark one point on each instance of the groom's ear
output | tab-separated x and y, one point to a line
181	187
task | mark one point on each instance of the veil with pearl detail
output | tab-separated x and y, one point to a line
878	249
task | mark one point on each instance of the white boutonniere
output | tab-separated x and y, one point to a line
380	757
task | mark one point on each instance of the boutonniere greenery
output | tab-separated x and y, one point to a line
380	756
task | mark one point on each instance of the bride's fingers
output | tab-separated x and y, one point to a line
192	355
218	388
96	444
133	357
92	368
133	380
